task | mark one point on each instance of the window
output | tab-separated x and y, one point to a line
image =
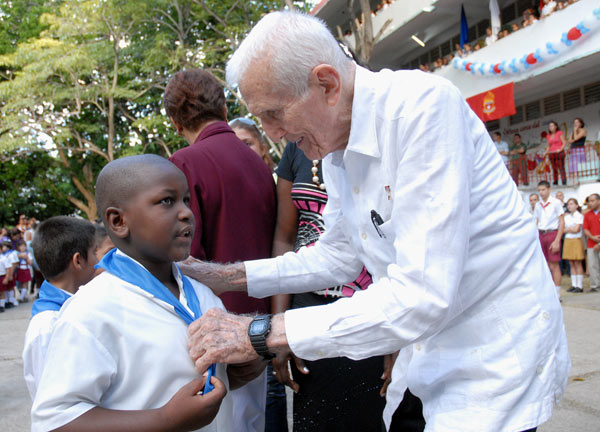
424	59
472	35
572	99
523	5
591	93
532	110
518	116
446	48
551	104
508	13
492	125
434	54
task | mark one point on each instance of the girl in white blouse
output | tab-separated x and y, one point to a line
573	246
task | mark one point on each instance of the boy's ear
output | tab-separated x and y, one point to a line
77	261
116	222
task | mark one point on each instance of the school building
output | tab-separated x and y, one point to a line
548	70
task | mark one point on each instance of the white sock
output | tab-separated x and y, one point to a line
11	297
579	281
573	280
558	291
23	293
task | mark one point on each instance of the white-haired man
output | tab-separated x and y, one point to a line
418	193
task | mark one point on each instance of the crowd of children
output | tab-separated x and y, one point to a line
17	265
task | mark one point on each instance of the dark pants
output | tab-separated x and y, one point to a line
276	412
408	417
558	165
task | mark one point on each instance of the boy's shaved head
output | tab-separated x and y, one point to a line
122	178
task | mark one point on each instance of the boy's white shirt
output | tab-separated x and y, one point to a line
117	346
37	339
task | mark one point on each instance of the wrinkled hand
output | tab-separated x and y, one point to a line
187	410
203	272
388	365
242	373
555	247
220	337
282	370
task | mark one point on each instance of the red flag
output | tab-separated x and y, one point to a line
495	103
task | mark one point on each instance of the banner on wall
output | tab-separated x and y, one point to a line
495	103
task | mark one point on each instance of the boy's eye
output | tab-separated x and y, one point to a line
167	201
186	201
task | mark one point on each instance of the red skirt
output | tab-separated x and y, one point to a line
8	286
23	275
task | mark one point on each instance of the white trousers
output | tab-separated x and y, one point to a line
249	403
593	262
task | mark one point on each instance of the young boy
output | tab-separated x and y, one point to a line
64	250
119	352
551	225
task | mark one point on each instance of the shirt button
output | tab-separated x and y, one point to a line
356	190
546	316
320	353
539	370
418	347
364	235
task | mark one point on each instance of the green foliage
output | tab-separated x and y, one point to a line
87	76
33	183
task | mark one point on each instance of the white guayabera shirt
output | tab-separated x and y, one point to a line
461	285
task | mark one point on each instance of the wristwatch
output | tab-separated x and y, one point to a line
258	330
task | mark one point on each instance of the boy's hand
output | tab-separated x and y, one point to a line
187	410
282	370
240	374
388	365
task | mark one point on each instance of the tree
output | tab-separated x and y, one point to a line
361	24
89	85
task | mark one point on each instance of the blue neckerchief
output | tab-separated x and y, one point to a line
51	298
126	269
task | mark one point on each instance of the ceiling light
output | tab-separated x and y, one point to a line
429	8
417	40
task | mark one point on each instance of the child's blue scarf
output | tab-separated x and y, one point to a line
51	298
126	269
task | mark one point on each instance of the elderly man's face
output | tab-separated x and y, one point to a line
309	120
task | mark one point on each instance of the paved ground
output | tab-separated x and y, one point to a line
579	409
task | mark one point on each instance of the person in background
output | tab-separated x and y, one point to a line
518	160
23	278
548	9
551	225
501	146
246	130
103	241
515	27
573	247
577	144
490	37
64	248
556	151
533	200
591	228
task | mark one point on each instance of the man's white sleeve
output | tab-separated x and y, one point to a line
430	224
330	262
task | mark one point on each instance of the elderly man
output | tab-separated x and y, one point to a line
418	193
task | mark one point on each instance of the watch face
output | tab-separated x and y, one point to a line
258	327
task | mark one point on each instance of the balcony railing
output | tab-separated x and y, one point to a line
574	166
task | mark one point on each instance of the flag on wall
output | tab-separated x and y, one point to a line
495	103
464	28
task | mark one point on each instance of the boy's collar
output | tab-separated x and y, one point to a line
174	270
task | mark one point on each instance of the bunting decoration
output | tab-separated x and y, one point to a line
527	60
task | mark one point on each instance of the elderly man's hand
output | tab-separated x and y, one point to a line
220	337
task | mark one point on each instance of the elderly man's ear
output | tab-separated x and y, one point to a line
329	81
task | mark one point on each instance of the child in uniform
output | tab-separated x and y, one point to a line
119	355
64	250
8	282
23	273
3	270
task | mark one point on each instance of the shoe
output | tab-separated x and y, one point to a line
594	290
577	290
9	305
1	308
572	289
25	300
